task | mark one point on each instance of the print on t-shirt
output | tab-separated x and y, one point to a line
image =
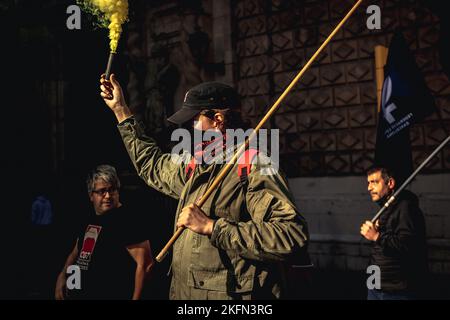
90	239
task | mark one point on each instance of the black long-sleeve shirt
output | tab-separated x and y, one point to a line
400	251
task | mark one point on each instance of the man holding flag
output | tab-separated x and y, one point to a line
399	240
398	236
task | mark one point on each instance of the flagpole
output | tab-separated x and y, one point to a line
410	178
381	53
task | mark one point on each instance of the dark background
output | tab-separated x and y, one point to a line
38	50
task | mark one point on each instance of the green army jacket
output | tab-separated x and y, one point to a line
257	229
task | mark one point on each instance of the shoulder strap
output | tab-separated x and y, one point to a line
245	164
190	168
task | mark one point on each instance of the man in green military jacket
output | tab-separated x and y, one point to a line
238	245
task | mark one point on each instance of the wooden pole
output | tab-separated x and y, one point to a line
381	53
274	107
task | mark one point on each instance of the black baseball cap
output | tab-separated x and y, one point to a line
207	95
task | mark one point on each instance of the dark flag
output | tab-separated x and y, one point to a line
405	100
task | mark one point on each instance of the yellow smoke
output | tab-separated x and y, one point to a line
116	11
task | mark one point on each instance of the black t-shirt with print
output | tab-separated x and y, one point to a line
107	268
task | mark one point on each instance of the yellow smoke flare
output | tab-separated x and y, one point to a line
116	11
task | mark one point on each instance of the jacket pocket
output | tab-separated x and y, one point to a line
261	205
222	280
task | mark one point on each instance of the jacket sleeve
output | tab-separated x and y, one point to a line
276	232
401	239
161	171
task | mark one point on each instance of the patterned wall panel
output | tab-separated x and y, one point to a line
328	121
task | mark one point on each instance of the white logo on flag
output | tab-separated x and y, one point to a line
386	95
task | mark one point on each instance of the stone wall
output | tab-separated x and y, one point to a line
328	121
